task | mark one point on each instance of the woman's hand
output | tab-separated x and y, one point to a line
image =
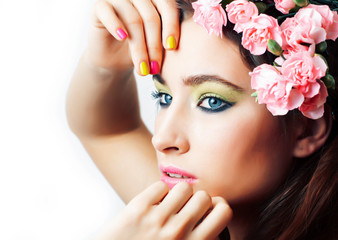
124	33
157	214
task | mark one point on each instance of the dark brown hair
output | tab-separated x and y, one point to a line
305	207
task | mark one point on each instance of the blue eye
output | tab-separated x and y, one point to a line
164	99
214	104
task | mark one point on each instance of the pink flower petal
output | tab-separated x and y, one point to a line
210	15
295	100
314	107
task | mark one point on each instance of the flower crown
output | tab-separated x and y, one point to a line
299	76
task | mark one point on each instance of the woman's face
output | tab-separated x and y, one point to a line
210	132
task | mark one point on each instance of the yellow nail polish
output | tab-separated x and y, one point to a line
144	69
171	42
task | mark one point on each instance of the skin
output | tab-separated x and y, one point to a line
244	167
240	155
251	154
158	214
145	24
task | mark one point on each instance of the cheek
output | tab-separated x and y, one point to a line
246	154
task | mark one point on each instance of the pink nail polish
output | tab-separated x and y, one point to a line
122	34
154	67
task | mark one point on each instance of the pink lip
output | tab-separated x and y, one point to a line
170	181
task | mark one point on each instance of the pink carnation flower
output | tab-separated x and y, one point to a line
210	15
302	29
311	25
241	12
284	6
274	90
329	20
258	31
303	71
314	107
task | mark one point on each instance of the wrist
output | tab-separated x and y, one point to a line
105	71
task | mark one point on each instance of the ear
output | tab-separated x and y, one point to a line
312	135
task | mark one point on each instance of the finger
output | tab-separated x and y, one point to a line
170	23
136	36
152	27
216	221
105	14
151	195
175	199
194	209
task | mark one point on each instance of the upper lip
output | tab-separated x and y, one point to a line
175	170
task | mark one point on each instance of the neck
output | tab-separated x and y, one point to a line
241	223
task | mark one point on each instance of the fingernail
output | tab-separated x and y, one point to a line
171	42
154	67
144	69
122	34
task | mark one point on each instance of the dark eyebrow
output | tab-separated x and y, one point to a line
199	79
158	78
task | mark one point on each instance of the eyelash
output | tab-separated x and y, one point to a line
158	97
225	104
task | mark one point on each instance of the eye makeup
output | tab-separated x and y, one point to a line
162	94
209	94
217	90
161	87
163	99
213	103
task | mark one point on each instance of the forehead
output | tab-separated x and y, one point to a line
200	53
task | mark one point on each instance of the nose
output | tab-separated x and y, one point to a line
171	130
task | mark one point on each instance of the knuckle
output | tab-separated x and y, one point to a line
203	196
137	52
183	220
171	17
136	211
155	49
154	220
136	214
219	200
152	19
135	21
224	209
172	232
194	236
170	4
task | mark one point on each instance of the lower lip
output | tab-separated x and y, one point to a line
171	182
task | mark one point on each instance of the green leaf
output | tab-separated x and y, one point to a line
261	7
274	47
301	3
321	47
225	2
329	81
255	94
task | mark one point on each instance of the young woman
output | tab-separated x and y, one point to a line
237	168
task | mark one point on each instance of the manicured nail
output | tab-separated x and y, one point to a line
154	67
122	34
144	69
171	42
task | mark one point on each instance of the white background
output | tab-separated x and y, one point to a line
49	187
